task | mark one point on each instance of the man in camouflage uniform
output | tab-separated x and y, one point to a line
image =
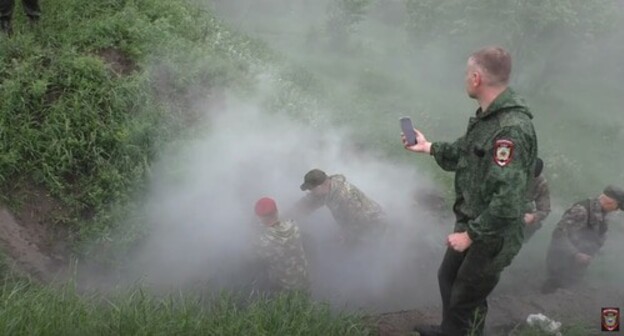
538	205
493	162
281	249
579	235
361	219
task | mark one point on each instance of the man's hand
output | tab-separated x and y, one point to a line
459	241
529	218
421	146
583	259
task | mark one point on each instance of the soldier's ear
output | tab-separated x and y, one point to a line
477	78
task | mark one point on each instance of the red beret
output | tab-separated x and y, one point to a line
265	206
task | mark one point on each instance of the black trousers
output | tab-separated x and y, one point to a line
466	279
31	7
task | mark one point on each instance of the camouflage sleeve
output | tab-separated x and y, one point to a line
542	201
502	181
305	206
573	219
447	154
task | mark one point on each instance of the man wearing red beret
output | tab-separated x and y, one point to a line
281	249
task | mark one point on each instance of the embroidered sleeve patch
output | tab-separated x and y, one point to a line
503	152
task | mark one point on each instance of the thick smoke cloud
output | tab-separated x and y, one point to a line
201	210
201	203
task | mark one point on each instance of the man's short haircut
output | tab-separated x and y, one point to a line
496	62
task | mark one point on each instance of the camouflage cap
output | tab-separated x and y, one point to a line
313	178
615	193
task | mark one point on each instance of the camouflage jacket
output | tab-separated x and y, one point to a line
493	163
281	249
356	214
582	228
538	198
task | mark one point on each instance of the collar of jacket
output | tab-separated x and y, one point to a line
505	100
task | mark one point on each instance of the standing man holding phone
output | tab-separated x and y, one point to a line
493	163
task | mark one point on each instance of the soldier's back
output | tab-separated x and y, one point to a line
283	249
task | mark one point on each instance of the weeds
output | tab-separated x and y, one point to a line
91	94
29	309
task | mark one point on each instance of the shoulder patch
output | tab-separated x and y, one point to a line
503	152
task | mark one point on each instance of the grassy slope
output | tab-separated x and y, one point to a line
28	309
86	131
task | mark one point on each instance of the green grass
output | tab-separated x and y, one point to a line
87	130
29	309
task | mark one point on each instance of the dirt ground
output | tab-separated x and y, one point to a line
515	298
28	239
508	311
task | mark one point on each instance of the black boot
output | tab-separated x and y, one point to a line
428	330
6	27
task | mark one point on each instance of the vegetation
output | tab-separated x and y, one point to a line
29	309
92	94
88	105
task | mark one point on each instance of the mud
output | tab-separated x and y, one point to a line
117	61
30	240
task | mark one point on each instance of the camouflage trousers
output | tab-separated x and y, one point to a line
466	279
561	266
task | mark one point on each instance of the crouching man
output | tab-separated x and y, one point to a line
280	248
579	235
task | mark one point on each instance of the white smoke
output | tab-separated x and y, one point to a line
201	210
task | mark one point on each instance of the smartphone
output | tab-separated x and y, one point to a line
408	130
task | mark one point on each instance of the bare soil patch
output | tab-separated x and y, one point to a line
117	61
30	238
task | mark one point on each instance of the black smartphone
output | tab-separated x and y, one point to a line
408	130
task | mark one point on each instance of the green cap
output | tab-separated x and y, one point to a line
615	193
313	178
